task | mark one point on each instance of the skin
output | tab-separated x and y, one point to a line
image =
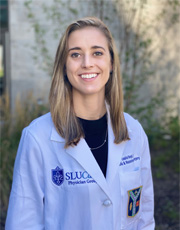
88	53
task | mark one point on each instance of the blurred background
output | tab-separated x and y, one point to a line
147	37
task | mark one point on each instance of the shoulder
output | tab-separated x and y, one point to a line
133	125
131	122
42	120
41	126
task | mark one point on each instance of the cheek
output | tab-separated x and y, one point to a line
69	73
71	67
106	64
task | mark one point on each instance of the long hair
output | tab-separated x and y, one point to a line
61	103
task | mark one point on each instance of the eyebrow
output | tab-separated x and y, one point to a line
98	47
93	47
74	48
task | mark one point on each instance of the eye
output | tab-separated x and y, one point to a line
75	55
98	53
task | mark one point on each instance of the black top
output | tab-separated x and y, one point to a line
95	133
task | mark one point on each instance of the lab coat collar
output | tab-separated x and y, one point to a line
55	136
83	155
115	152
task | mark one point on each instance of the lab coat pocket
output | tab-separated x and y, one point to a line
130	199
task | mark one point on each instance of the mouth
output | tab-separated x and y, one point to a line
88	76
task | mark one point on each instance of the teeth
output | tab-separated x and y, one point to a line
88	75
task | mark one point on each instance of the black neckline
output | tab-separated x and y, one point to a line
95	132
94	126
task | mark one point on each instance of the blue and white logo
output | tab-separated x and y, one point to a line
57	176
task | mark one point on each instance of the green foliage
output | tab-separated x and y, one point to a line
164	143
1	73
170	211
72	10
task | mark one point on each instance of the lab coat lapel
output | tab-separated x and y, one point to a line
115	152
83	155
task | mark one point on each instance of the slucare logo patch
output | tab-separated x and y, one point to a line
58	177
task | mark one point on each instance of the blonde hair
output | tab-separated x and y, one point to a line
61	103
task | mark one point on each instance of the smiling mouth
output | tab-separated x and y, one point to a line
88	76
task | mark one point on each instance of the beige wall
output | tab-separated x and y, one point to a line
28	75
165	47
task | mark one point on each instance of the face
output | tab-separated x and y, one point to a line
88	64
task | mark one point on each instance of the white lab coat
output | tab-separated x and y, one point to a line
81	198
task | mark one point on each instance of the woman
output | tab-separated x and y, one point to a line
85	165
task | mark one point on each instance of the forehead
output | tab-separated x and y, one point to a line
87	36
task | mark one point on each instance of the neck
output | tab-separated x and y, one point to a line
89	107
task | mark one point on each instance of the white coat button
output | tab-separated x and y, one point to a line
107	203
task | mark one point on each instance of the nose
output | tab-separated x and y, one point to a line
87	61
